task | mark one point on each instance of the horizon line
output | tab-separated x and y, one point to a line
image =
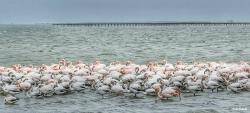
136	22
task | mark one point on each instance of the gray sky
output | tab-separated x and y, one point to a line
49	11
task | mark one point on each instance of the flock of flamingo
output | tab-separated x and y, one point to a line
160	79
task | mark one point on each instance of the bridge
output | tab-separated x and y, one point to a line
109	24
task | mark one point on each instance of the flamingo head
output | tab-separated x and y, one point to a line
128	63
194	78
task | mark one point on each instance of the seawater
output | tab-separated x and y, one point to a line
46	44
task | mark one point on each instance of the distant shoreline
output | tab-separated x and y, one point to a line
137	23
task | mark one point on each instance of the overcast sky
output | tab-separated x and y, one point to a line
49	11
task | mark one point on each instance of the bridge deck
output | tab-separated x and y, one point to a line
151	23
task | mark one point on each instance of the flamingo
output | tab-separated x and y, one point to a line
10	99
168	92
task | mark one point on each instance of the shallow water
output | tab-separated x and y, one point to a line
89	101
37	44
46	44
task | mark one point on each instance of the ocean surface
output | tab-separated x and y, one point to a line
46	44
